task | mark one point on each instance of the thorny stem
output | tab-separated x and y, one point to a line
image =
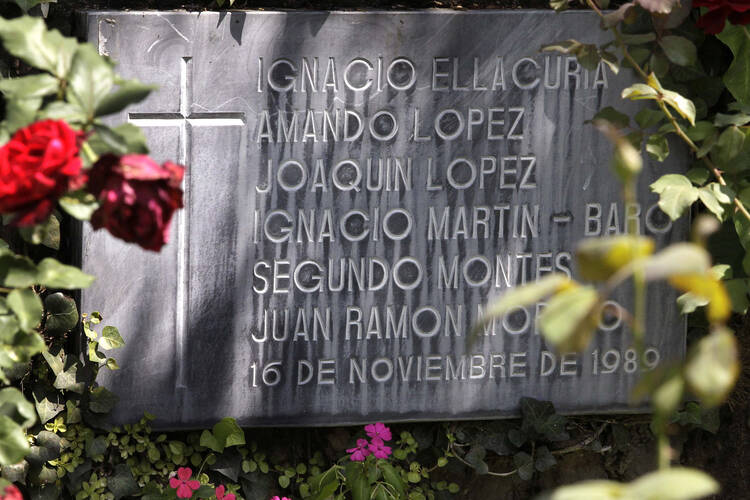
672	120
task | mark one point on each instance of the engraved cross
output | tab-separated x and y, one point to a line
185	119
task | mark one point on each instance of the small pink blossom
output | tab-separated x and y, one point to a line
220	495
183	484
280	498
378	430
360	452
379	449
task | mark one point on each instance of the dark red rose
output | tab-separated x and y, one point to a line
137	198
712	22
11	492
37	166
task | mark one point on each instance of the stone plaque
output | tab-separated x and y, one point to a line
360	185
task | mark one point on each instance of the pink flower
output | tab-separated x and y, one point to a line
378	430
360	452
221	496
281	498
379	449
182	483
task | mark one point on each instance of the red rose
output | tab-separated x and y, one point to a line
712	22
37	166
11	492
137	198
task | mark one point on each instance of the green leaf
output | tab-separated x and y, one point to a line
678	259
91	79
647	117
61	110
27	307
616	118
639	91
128	92
54	274
96	447
527	294
679	50
676	192
543	459
590	490
13	444
126	138
32	86
737	77
62	313
524	465
600	258
68	380
20	112
739	119
17	271
360	488
638	39
46	233
45	402
475	458
122	483
677	483
713	367
393	478
80	204
111	339
15	405
668	395
730	143
102	400
737	290
28	39
657	147
570	318
229	433
701	131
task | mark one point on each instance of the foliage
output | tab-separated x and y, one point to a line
695	96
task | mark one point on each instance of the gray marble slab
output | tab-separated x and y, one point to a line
333	255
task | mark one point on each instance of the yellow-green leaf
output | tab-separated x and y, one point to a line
570	318
713	367
600	258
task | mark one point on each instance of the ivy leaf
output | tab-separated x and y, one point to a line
111	338
676	193
13	444
28	39
68	380
475	458
46	403
15	405
27	307
616	118
708	287
678	259
91	79
524	465
229	433
96	447
543	459
102	400
679	50
128	92
62	313
54	274
122	483
737	77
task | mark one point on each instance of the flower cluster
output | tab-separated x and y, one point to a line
378	433
713	21
186	487
280	498
41	163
